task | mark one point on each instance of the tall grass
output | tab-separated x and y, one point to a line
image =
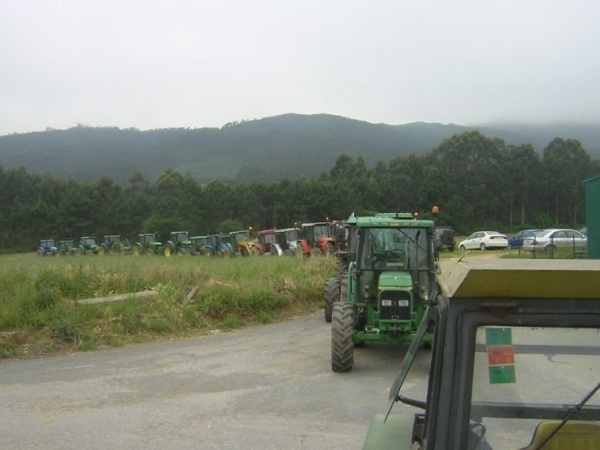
39	312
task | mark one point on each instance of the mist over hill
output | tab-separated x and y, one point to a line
269	149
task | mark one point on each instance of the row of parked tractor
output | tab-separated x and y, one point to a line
309	239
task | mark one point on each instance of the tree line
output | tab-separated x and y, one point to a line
477	182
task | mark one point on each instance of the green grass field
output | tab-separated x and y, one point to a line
39	313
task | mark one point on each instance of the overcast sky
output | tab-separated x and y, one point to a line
195	63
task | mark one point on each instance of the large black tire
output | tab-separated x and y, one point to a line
344	288
342	337
169	250
332	294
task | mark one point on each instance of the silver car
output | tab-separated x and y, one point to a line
550	239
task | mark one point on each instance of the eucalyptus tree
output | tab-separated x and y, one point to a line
472	176
565	166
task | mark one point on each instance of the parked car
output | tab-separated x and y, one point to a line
484	240
552	238
517	240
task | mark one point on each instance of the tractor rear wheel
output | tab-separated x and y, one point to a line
168	251
342	337
332	294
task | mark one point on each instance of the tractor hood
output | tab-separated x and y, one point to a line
390	280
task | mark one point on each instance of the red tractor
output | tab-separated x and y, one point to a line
266	241
319	238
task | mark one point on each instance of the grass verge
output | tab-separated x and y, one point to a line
39	313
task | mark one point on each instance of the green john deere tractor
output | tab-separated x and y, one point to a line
67	247
87	245
114	244
147	244
179	243
391	275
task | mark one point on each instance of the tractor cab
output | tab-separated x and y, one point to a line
114	244
179	243
241	243
87	244
219	245
287	242
320	237
148	244
266	241
47	247
199	243
515	362
67	247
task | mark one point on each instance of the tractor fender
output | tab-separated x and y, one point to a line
278	249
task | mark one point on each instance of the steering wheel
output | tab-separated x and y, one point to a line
393	253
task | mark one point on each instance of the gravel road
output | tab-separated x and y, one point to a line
266	387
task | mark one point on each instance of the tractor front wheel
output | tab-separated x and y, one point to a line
342	337
332	295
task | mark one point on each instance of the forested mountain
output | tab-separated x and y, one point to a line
282	147
477	181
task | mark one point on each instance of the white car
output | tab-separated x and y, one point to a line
483	240
552	238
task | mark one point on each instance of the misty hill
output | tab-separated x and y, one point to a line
286	146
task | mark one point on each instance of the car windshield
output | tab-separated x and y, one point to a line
525	375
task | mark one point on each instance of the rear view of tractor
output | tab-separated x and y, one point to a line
147	244
390	277
179	243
